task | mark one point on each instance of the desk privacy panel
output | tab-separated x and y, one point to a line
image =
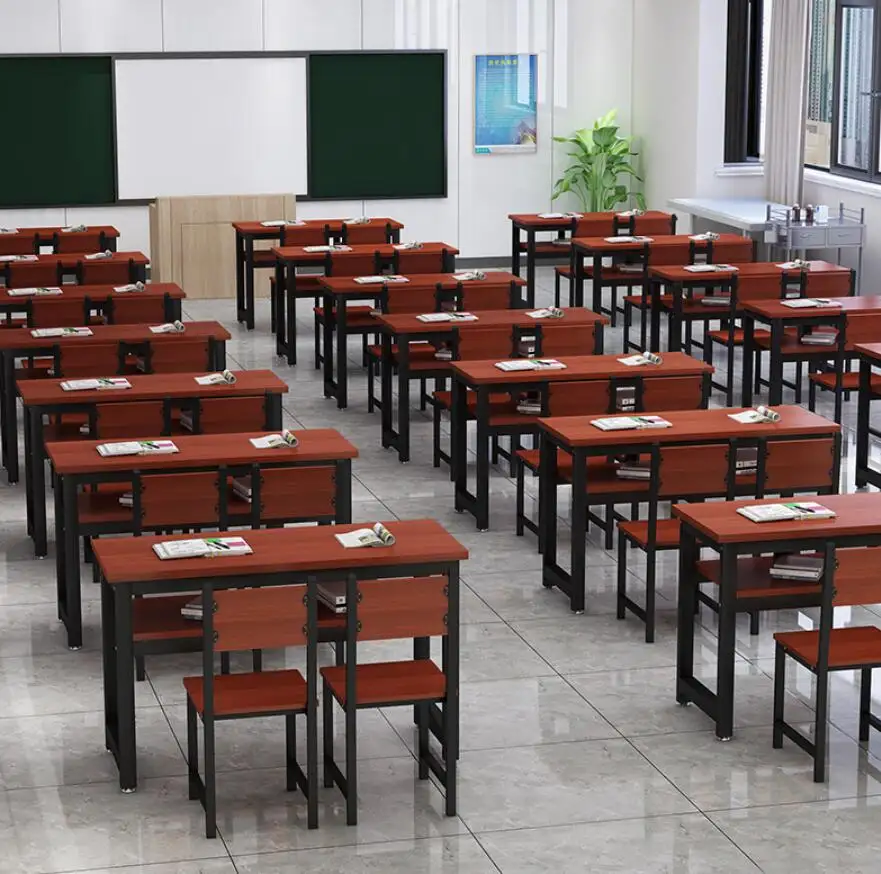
57	147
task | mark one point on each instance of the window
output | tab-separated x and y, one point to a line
843	121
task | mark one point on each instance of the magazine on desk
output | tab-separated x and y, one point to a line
759	416
625	239
630	423
410	244
275	441
790	511
382	279
560	215
61	332
336	247
710	268
74	229
202	547
546	313
40	291
282	223
8	230
101	383
469	275
799	303
224	377
642	360
707	237
447	316
137	447
98	256
129	287
522	364
376	535
9	258
175	327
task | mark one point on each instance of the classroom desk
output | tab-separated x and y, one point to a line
401	330
42	397
822	278
70	260
288	258
785	347
46	235
78	464
718	526
99	299
339	291
484	379
280	557
595	249
248	258
575	436
869	355
18	343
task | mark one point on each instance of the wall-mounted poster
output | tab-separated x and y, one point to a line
505	103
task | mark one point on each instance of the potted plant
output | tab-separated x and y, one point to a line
601	170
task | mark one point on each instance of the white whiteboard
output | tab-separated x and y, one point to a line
210	126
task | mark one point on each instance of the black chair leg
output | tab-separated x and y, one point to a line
865	703
622	575
290	742
327	735
192	751
779	696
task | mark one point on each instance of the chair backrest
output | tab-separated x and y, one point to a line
390	609
694	471
79	241
130	309
171	500
836	284
136	419
33	274
57	313
106	272
654	224
309	235
560	340
229	415
857	581
293	493
764	287
93	359
731	251
352	264
803	465
268	617
409	261
19	244
863	328
403	299
673	393
674	254
578	398
472	344
595	224
354	235
476	296
179	355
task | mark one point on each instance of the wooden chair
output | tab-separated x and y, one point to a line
731	251
558	341
19	244
294	494
98	359
74	242
361	235
851	579
106	272
32	274
127	420
307	284
129	309
229	415
407	262
180	355
392	609
241	619
58	313
653	225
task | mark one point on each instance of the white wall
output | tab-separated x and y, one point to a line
585	57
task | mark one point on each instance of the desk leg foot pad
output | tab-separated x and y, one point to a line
75	648
129	791
724	740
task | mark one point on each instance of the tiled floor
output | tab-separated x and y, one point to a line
575	756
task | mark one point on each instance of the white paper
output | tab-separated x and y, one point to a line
8	230
168	328
275	441
327	248
49	290
377	535
282	223
760	415
410	244
99	256
100	384
204	547
798	303
795	265
789	511
522	364
552	215
131	286
390	279
226	377
137	447
641	360
61	332
626	239
468	275
546	313
630	423
7	258
449	316
74	229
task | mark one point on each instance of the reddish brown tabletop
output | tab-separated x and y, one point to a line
687	426
282	550
20	338
40	392
151	291
384	250
533	221
579	367
47	233
342	285
599	245
408	323
71	259
748	270
335	226
857	515
869	350
318	444
775	309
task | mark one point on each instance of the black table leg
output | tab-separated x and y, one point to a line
725	667
404	401
596	282
291	327
37	483
775	367
687	603
674	337
547	508
240	276
579	530
279	296
863	411
385	380
515	249
459	441
10	417
127	756
530	267
69	530
273	412
249	284
481	488
749	357
342	361
654	302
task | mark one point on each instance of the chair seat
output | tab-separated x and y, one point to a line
849	381
417	351
722	336
855	647
264	258
499	400
240	694
389	682
754	579
355	316
547	249
602	478
666	533
791	346
101	508
160	618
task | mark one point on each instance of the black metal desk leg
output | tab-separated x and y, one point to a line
749	357
240	276
458	441
290	288
596	282
10	417
403	401
775	367
28	467
273	412
863	410
37	484
579	530
385	379
654	303
515	249
108	656
687	604
481	489
127	756
278	294
547	503
73	613
342	361
725	667
530	267
249	284
59	548
674	337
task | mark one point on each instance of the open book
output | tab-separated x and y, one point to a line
641	360
137	447
630	423
61	332
281	223
468	275
99	384
376	535
519	364
390	279
799	303
630	213
710	268
34	292
175	327
225	377
626	239
275	441
337	247
411	244
202	547
760	415
4	258
447	316
795	264
8	230
357	220
709	236
789	512
98	256
74	229
559	215
546	313
130	286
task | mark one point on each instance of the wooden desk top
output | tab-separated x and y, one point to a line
408	323
281	550
48	232
775	309
858	515
869	350
151	291
385	250
334	225
533	221
39	392
494	279
748	270
580	367
71	259
599	244
208	450
688	426
20	338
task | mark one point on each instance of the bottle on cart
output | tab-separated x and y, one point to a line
796	213
809	214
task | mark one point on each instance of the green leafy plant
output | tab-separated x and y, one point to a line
601	173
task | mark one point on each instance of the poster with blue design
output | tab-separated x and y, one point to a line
505	103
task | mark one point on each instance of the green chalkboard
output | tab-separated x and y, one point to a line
377	125
57	147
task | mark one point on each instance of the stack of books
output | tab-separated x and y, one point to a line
529	405
797	566
203	547
241	488
634	470
746	461
716	300
822	335
333	595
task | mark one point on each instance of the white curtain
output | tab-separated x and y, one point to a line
786	98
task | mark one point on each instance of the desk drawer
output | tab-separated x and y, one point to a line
808	237
845	236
